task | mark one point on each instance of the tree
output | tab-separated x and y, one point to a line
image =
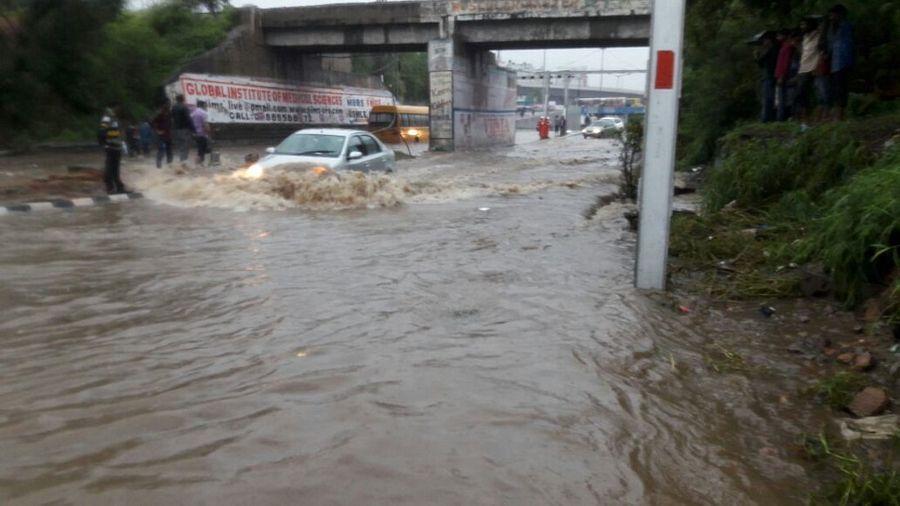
404	74
721	78
67	59
213	6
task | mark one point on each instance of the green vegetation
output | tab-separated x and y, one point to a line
734	254
857	483
64	60
763	163
405	74
781	197
632	140
838	390
721	79
858	234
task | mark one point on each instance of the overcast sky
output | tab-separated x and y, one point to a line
557	59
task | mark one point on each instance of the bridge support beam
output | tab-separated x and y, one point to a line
473	100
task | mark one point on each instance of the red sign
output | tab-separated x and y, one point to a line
665	70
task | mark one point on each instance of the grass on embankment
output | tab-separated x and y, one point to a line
781	197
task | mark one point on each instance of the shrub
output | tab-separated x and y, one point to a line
858	235
631	157
763	163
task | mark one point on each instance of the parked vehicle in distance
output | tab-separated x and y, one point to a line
328	149
604	127
394	124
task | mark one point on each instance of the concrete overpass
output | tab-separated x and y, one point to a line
558	93
472	99
491	24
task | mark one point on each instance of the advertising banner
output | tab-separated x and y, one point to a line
233	100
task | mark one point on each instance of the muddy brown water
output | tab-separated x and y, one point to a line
476	342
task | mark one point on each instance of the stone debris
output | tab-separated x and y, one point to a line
873	427
870	402
815	282
864	362
846	358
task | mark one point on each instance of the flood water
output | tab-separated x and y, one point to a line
458	334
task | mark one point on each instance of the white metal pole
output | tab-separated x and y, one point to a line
666	44
602	58
546	86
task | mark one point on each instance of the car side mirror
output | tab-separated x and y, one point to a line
354	155
270	151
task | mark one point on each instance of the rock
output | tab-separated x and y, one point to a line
870	402
873	311
683	184
814	281
894	369
632	217
803	318
873	427
830	352
805	346
750	232
858	329
863	362
768	451
846	358
725	266
767	311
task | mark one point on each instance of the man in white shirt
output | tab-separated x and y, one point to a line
810	84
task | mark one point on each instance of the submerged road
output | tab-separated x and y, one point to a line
460	334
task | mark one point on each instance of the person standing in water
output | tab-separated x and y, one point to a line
110	137
184	128
162	126
201	130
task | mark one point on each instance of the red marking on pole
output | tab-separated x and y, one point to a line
665	70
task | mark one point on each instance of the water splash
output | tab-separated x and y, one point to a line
277	189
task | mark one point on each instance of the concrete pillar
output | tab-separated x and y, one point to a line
441	62
473	100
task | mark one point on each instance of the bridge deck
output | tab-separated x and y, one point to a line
494	24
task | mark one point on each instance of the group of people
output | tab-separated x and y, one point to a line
174	127
806	71
560	126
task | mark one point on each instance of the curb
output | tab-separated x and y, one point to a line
68	203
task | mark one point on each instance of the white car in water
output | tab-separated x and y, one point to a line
604	127
328	149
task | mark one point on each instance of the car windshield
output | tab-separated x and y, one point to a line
329	146
603	123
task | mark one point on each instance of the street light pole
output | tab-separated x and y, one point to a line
546	86
661	128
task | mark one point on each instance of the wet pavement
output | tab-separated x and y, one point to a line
456	333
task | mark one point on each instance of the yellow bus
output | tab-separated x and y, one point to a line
395	123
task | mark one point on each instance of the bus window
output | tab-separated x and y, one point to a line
396	124
381	119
